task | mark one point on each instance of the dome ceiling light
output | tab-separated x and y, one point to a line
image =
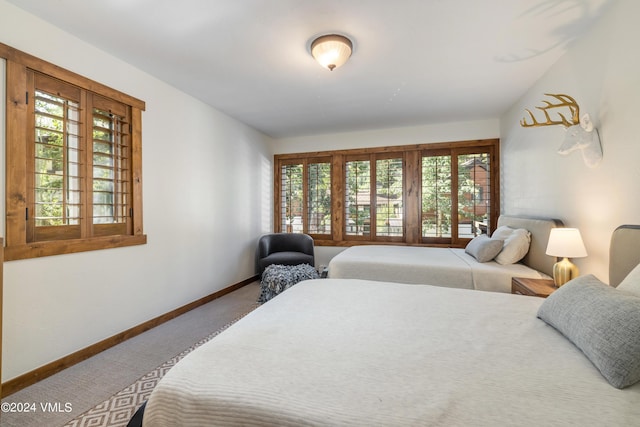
331	50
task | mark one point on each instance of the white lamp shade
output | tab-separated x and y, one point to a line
566	243
331	51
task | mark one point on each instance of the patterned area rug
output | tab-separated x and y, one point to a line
119	408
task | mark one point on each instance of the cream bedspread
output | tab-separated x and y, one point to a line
448	267
360	353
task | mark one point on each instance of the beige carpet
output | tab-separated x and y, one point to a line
104	375
118	410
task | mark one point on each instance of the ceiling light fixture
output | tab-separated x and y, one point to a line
331	50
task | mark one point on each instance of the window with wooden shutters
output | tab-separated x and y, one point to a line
358	197
374	211
439	194
111	167
436	196
292	201
457	194
389	208
319	197
305	197
474	190
55	180
74	177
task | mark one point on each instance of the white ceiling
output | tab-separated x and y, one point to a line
414	61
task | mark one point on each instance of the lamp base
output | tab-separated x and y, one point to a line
563	271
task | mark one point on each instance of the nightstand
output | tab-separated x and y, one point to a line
532	287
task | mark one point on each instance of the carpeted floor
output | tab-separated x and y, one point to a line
118	410
96	381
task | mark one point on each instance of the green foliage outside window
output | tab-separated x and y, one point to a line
358	195
472	185
319	198
436	196
55	151
389	206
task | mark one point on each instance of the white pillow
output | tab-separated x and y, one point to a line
515	247
501	233
631	282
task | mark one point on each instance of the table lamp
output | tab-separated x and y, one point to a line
566	243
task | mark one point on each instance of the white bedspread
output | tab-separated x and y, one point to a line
426	265
359	353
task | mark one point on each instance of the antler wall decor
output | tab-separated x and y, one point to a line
581	135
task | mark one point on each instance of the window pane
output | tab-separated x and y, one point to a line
110	160
473	194
319	190
436	196
102	147
358	198
101	197
49	212
49	137
56	160
292	202
389	209
100	173
103	160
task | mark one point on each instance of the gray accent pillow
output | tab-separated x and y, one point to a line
483	248
602	322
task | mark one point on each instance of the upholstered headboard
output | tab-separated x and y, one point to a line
623	252
539	228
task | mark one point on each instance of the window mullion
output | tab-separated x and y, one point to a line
373	197
412	196
65	164
135	173
86	166
454	197
305	196
29	162
118	168
338	185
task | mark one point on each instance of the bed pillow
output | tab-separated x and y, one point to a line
515	247
501	233
602	322
483	248
631	283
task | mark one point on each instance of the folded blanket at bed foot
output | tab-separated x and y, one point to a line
277	278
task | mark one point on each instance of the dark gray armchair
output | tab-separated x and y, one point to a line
285	249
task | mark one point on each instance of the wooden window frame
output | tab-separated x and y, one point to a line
304	162
311	161
358	158
412	189
18	246
454	152
372	158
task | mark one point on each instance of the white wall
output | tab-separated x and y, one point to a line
207	189
445	132
602	72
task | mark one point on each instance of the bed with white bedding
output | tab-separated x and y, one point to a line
450	267
357	352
